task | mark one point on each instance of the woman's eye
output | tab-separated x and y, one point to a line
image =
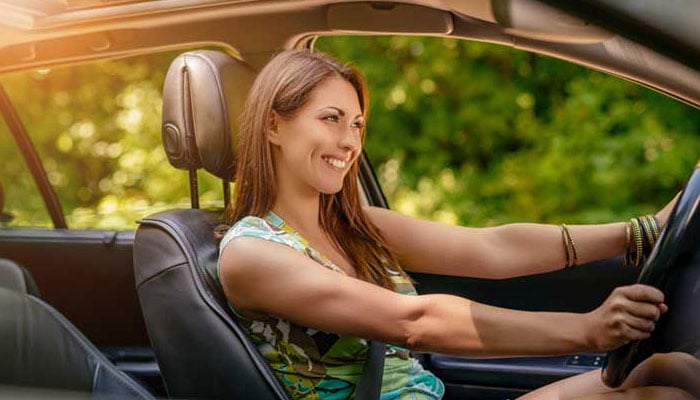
358	125
332	118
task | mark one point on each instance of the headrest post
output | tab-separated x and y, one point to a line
194	190
227	192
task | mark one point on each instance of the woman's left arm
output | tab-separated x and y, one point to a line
496	252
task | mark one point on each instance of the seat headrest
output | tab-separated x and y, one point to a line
203	97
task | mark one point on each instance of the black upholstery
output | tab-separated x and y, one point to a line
201	349
203	95
39	348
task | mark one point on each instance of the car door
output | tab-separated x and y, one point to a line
480	135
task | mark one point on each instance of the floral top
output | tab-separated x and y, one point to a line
317	365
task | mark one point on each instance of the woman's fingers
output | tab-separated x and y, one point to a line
641	303
640	324
646	311
643	293
635	334
629	313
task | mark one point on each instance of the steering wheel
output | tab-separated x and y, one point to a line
672	268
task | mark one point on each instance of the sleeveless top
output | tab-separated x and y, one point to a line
312	364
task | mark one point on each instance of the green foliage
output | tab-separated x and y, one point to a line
481	134
461	132
97	130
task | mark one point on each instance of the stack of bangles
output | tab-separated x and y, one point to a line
641	234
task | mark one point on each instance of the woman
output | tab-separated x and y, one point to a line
309	271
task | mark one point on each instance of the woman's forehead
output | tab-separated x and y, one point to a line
336	92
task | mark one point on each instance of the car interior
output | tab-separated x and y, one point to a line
175	252
139	313
42	349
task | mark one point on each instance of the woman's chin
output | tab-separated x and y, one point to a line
330	189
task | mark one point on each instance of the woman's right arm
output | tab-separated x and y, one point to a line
259	276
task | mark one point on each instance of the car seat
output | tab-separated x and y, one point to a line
15	277
201	349
39	348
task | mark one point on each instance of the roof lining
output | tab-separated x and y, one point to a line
295	21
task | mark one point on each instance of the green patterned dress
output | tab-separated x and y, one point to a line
317	365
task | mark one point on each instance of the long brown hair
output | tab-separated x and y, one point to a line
284	85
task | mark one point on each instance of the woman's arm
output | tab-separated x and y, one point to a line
496	252
264	277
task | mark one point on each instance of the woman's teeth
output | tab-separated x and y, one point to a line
335	162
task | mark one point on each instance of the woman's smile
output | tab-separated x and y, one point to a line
335	163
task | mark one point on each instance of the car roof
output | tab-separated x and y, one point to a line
656	46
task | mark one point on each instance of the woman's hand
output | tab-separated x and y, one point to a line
629	313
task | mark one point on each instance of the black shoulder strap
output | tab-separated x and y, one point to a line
370	384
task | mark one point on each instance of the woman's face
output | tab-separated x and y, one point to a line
314	149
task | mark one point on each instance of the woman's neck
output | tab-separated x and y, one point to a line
300	210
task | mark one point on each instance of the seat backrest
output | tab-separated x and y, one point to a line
15	277
39	348
201	349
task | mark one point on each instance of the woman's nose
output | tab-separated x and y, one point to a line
350	140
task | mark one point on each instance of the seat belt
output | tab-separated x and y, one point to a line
370	384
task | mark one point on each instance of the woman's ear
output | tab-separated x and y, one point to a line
272	132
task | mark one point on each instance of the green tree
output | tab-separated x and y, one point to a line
97	130
459	131
480	134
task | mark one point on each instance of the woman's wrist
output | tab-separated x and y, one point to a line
663	215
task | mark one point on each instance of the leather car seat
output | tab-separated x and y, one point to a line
15	277
201	350
39	348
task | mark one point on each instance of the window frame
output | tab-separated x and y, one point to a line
31	157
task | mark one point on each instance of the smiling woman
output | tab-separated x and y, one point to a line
309	272
303	123
294	168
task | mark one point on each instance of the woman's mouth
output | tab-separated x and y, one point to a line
334	162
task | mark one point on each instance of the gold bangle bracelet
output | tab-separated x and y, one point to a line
566	247
647	238
628	244
570	241
655	226
653	229
638	245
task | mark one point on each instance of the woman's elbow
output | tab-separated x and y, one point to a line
415	325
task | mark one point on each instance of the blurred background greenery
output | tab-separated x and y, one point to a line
461	132
481	134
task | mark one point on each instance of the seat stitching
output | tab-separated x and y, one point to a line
184	263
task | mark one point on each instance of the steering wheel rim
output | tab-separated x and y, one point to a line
675	241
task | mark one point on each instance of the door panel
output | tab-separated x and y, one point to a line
502	378
87	275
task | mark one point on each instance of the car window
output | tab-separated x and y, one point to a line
482	134
96	128
21	204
